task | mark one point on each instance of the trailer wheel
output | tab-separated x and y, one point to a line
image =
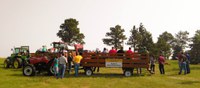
127	73
88	72
6	64
29	70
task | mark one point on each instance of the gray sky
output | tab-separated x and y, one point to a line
36	22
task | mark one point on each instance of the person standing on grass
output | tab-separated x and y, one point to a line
188	63
62	65
161	61
182	61
55	67
152	63
69	60
77	59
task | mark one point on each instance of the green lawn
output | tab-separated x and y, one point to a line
106	78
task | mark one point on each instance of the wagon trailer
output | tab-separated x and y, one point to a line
120	60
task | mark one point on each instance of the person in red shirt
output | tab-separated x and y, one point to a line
113	51
161	61
129	52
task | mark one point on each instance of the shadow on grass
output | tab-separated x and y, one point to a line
18	75
82	75
189	82
191	68
195	68
105	75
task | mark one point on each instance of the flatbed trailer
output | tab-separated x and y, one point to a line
120	60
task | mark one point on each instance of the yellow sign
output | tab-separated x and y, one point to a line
113	60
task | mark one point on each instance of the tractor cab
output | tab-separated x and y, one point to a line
16	51
58	47
20	51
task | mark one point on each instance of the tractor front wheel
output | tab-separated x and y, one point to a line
29	70
6	64
17	63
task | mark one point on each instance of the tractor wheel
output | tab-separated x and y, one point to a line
17	63
6	64
88	71
51	70
127	73
29	70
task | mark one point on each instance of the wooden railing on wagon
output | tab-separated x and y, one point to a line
135	60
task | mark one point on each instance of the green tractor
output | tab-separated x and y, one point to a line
18	58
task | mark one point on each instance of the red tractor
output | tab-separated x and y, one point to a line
43	61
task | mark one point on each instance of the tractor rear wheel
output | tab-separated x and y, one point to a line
51	70
16	63
6	64
29	70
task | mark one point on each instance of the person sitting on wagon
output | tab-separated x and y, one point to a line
44	49
105	50
113	51
120	52
130	53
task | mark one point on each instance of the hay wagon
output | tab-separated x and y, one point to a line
125	61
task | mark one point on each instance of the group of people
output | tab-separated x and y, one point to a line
161	62
183	63
60	62
129	51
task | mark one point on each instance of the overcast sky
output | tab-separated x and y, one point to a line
36	22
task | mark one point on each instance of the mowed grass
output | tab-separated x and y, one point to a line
106	78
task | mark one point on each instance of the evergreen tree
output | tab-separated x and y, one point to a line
70	33
195	48
116	35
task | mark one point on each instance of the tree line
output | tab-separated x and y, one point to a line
139	37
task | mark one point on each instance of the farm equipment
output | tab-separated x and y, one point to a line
18	58
125	61
43	61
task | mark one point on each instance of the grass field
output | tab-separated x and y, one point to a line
106	78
